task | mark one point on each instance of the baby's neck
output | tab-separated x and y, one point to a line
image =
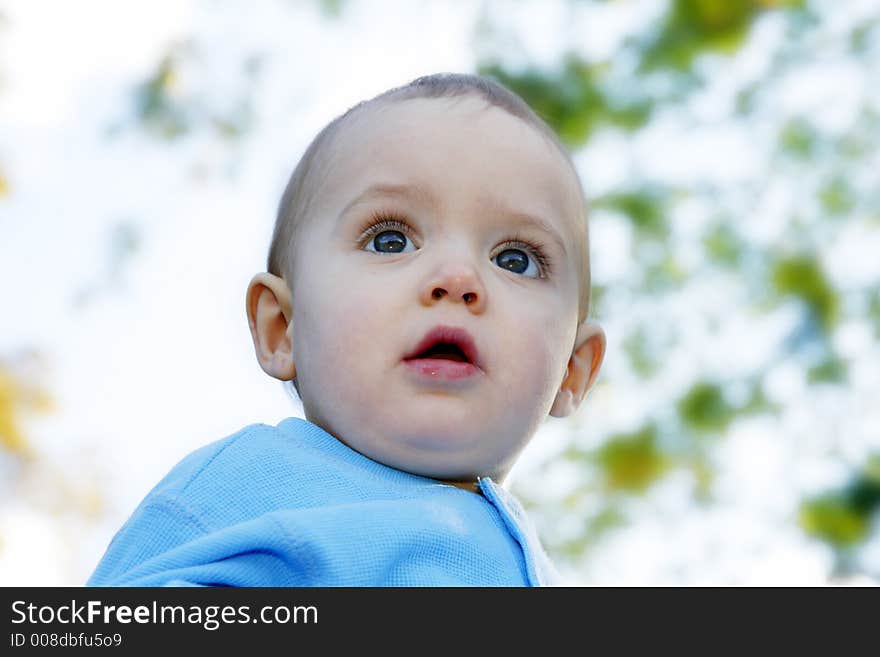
466	485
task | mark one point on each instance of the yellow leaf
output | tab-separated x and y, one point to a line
17	396
11	437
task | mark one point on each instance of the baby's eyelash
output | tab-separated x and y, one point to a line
380	221
537	250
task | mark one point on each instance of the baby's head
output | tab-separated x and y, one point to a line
428	281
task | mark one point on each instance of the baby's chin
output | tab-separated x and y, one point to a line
445	440
440	454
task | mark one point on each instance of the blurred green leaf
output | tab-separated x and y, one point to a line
234	124
837	197
664	275
842	518
747	99
833	520
757	401
646	207
594	528
155	109
860	37
332	8
723	245
704	408
704	476
831	370
644	360
871	469
691	28
802	277
632	461
864	494
164	111
572	101
607	520
798	138
874	310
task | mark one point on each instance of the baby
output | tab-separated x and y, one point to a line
427	295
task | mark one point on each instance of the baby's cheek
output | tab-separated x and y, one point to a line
528	363
323	323
548	346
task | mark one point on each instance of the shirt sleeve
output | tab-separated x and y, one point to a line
158	524
162	546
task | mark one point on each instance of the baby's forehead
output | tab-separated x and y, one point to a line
424	140
399	122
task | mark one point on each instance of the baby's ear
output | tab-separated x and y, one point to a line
269	314
583	367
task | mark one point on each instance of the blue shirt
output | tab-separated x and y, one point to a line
291	505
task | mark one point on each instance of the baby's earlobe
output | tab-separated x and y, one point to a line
562	405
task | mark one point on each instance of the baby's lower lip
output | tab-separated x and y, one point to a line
441	369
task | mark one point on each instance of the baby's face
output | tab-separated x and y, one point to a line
423	224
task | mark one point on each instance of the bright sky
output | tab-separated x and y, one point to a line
162	362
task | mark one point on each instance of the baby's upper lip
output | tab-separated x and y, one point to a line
451	334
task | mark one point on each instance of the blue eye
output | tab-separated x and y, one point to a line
516	261
390	241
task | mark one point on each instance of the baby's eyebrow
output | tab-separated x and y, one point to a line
377	190
424	195
521	218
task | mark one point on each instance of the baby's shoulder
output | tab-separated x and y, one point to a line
255	451
258	468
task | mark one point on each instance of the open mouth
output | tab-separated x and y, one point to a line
444	351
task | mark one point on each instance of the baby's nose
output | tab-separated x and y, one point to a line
456	283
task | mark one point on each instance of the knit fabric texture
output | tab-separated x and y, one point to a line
290	505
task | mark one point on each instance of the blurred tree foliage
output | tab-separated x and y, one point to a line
660	73
844	517
663	68
19	396
30	476
691	28
169	105
27	474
